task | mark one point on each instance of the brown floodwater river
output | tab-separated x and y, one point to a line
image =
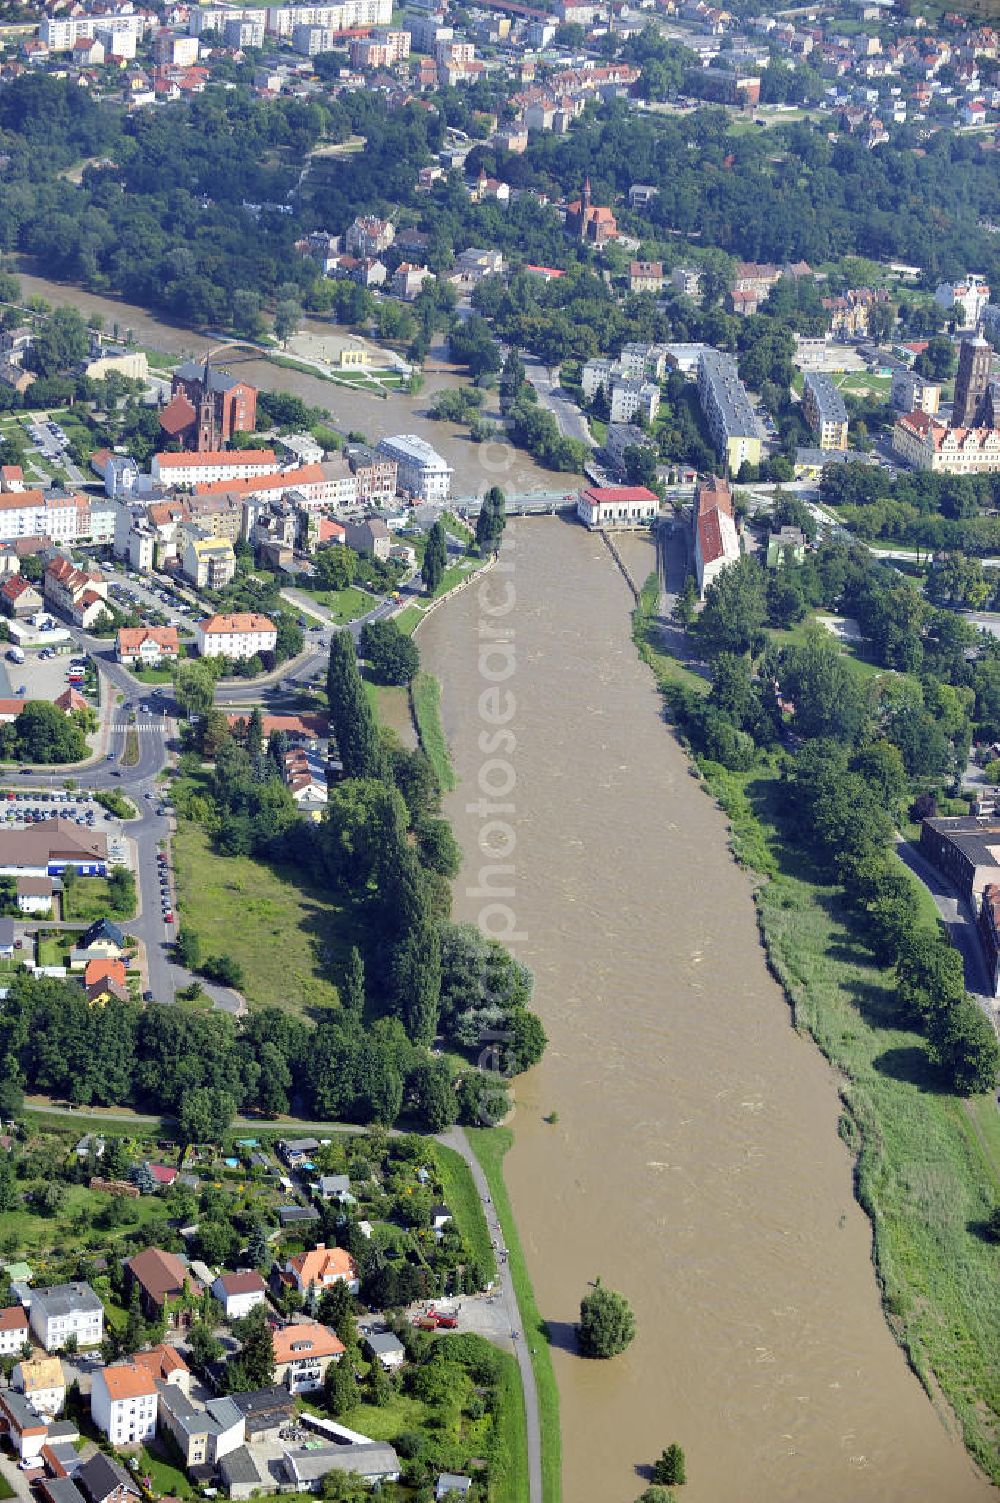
695	1164
476	466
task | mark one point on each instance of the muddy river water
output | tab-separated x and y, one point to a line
695	1164
476	466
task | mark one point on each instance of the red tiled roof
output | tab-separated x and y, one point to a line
612	494
234	457
239	621
178	414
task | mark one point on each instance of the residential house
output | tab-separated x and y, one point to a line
787	545
123	1404
21	1425
104	980
239	1293
370	536
302	1353
102	1479
43	1383
34	895
79	594
103	940
296	1215
13	1330
165	1364
716	541
203	1433
242	634
645	276
334	1187
322	1267
197	469
70	701
147	646
239	1474
613	506
376	475
161	1279
965	299
66	1310
407	280
386	1348
451	1486
19	598
369	236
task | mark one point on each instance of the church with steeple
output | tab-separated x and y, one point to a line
586	221
207	406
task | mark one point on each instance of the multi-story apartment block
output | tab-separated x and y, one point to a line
60	518
123	1404
420	470
631	398
687	281
824	410
965	300
60	33
375	474
209	563
369	236
727	409
66	1310
912	393
199	469
244	634
929	445
80	595
383	49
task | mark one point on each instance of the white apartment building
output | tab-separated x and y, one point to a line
420	470
13	1330
61	33
911	393
631	398
240	635
966	299
123	1404
63	519
283	19
212	464
66	1310
929	445
43	1383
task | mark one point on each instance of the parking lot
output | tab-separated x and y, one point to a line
157	604
42	677
21	807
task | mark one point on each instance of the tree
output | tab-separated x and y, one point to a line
141	1175
825	688
205	1114
435	558
337	1310
433	1092
256	1359
287	317
59	342
735	609
340	1390
335	566
205	1346
351	717
194	686
491	521
352	987
274	1082
965	1044
9	1196
258	1249
607	1325
391	656
670	1468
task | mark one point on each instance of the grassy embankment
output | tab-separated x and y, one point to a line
425	697
928	1164
130	754
490	1145
283	931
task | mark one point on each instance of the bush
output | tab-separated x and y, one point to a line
607	1325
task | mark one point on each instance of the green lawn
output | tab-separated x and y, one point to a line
425	696
462	1199
408	618
87	899
490	1145
6	1491
152	675
346	605
285	933
55	950
166	1479
41	1240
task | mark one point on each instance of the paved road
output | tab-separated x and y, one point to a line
572	423
457	1140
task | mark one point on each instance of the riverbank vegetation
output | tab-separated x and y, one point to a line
812	758
425	697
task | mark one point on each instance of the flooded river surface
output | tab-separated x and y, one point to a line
476	466
695	1164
